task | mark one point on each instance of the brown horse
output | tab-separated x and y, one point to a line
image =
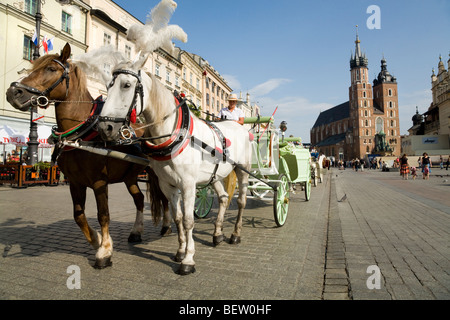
62	82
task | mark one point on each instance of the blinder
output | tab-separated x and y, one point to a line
126	130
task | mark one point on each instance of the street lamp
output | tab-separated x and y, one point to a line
33	142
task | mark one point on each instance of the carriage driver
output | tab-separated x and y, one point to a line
231	112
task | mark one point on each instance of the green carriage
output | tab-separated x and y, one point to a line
279	166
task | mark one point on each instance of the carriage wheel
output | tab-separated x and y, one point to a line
308	189
281	201
203	202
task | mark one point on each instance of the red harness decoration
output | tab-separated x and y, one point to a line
133	116
178	141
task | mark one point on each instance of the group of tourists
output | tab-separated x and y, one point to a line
424	163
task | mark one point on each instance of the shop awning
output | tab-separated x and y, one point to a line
9	135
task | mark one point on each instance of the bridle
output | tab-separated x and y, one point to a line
42	100
138	91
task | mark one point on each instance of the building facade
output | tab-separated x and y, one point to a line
61	24
430	131
368	123
437	118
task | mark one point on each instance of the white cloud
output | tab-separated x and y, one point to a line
299	113
267	87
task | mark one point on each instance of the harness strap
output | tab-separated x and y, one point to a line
42	100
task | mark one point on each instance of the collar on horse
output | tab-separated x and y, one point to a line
178	140
84	130
41	100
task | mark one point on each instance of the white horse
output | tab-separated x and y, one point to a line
184	151
319	167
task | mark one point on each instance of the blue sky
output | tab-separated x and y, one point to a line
295	54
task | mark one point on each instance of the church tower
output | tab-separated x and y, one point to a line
360	140
386	106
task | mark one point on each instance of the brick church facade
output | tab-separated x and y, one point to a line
366	124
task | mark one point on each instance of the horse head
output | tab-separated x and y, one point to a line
125	98
48	80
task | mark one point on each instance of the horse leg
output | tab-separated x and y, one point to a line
175	210
188	193
78	194
104	252
138	197
167	220
241	201
158	202
218	236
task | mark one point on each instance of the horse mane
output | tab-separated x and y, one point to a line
159	96
81	79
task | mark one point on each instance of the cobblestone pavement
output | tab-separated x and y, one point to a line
400	228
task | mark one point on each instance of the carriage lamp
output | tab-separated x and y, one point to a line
283	129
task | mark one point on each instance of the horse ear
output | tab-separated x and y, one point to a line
65	53
139	63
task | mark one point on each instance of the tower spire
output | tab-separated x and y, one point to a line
357	42
359	59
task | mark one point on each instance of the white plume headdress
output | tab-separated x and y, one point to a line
93	62
157	32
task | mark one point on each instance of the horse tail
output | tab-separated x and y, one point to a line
230	186
158	201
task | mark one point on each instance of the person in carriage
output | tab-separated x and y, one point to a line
231	112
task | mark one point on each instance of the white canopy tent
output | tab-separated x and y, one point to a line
11	138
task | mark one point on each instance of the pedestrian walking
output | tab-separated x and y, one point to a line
426	165
441	162
448	162
404	167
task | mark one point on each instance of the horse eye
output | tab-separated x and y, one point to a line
127	85
51	69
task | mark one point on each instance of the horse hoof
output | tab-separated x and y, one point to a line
235	239
179	257
165	231
186	269
103	263
134	238
218	239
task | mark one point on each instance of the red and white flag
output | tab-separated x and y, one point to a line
45	44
